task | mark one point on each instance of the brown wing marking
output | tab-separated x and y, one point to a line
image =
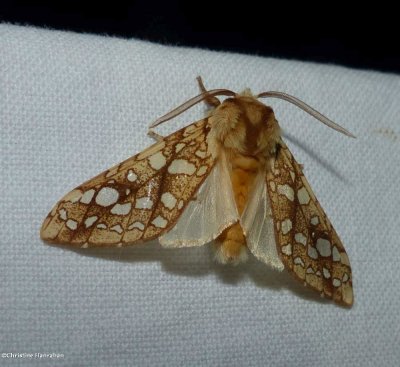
136	200
306	241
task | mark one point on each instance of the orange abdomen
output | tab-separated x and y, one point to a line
243	172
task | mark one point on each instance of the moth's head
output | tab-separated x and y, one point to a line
253	111
245	124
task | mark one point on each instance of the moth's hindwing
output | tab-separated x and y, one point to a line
308	244
212	210
139	199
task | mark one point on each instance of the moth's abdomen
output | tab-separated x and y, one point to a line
232	241
231	245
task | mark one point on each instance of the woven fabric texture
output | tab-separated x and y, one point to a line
72	105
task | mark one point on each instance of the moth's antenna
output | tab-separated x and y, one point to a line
305	107
190	103
211	102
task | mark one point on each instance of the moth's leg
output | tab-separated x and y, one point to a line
210	101
154	135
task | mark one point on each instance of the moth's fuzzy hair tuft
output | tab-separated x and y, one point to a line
221	256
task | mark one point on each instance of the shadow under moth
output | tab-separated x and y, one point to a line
228	177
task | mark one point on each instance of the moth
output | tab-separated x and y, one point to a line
228	177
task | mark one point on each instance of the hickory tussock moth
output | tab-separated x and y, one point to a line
228	177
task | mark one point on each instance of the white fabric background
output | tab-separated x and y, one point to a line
72	105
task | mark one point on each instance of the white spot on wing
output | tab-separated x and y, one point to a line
287	191
300	238
168	200
117	228
310	270
323	247
336	282
157	160
87	196
345	278
73	196
326	272
335	254
121	209
131	176
159	222
90	220
298	261
144	203
138	225
63	214
181	166
72	224
312	252
107	196
101	226
314	220
303	196
286	226
287	249
180	204
345	259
